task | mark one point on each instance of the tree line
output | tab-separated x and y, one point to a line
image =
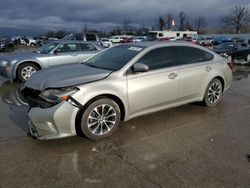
236	21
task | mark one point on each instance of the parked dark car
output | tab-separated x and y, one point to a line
237	39
235	50
6	44
221	39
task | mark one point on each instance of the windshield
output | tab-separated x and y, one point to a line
45	49
68	37
114	58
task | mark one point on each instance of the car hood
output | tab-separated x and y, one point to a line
23	55
64	76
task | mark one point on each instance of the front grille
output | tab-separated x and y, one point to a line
31	97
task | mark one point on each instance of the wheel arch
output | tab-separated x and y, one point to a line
81	111
220	78
23	62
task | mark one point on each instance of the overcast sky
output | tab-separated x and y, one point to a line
105	14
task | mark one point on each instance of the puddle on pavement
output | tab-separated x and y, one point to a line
241	72
10	94
248	157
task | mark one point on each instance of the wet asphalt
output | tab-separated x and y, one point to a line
187	146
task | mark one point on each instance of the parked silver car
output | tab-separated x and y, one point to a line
22	65
205	40
121	83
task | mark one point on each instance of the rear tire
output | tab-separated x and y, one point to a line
213	93
100	119
25	70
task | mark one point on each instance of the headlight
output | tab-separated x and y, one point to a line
57	95
3	63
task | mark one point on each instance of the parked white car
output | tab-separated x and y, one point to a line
106	42
138	38
119	38
31	41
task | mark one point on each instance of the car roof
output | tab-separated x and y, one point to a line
75	41
161	43
232	43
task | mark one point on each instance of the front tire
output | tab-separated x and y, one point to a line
100	119
213	93
25	70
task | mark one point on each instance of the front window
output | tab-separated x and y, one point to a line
47	48
159	58
114	58
64	48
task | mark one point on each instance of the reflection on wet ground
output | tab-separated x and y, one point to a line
10	93
241	72
188	146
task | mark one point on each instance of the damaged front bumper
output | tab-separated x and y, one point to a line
54	122
49	120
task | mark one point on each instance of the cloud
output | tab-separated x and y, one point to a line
72	15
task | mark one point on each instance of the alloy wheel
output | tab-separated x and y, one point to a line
214	92
101	119
27	72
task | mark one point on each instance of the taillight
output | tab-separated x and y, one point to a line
230	64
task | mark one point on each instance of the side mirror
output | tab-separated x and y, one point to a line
56	51
140	67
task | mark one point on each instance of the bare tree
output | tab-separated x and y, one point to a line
161	23
189	26
237	19
85	28
199	23
182	21
126	23
169	21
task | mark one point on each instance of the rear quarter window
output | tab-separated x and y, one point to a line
190	55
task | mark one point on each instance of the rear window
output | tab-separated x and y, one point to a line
189	55
91	37
87	47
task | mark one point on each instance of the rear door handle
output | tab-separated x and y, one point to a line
73	54
208	68
172	76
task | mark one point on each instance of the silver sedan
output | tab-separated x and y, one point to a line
121	83
22	65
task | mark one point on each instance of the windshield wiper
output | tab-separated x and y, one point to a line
94	66
91	65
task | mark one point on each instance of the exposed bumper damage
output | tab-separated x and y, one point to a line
49	121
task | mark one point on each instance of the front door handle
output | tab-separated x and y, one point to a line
208	68
172	76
